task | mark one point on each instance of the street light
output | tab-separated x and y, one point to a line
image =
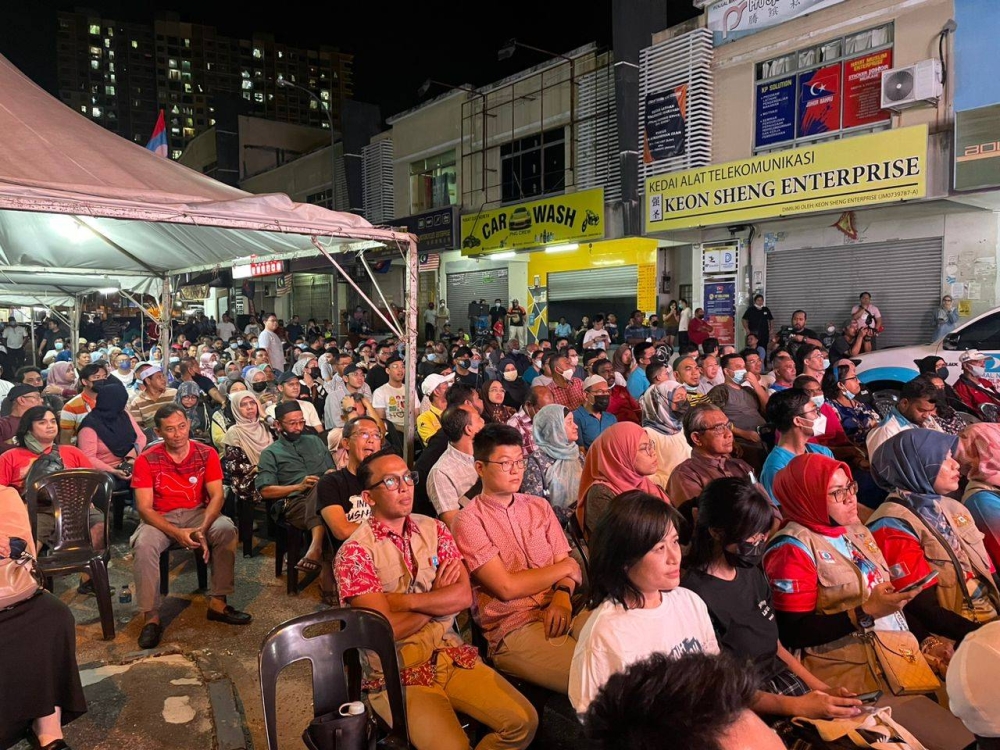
282	83
426	86
507	51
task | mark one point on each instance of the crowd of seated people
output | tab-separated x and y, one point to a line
603	514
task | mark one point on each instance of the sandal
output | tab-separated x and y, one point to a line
329	597
306	565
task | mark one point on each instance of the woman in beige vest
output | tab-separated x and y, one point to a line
921	531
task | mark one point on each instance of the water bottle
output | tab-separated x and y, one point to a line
125	597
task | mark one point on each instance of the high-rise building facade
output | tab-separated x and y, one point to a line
121	74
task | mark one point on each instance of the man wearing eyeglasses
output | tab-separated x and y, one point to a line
710	435
407	567
454	473
519	559
289	469
796	418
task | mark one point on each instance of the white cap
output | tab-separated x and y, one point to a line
594	380
972	355
433	380
972	681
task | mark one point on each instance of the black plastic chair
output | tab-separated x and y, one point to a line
288	546
200	565
767	434
71	493
990	412
334	665
576	536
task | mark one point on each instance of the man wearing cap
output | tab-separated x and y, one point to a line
289	470
19	399
453	476
289	389
972	685
353	382
389	400
972	386
153	393
435	387
592	417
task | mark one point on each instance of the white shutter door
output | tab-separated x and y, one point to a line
463	288
593	283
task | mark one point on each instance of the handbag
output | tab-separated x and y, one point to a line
341	730
899	660
19	578
875	729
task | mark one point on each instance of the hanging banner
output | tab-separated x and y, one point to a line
720	310
863	89
665	125
775	112
977	148
731	19
833	176
819	101
564	218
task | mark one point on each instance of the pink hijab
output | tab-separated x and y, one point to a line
610	461
208	360
980	450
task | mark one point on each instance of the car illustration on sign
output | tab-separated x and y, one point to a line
520	220
470	242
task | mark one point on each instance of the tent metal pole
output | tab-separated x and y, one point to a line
165	303
74	329
31	330
410	352
365	297
394	328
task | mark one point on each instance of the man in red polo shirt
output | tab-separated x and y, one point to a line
178	493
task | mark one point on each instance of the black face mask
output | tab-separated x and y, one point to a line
601	403
682	408
464	363
314	372
942	372
98	384
259	387
746	555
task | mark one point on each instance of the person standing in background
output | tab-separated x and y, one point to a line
946	318
429	317
269	341
683	321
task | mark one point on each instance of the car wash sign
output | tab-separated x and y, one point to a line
835	176
573	217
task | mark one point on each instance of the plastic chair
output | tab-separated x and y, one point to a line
200	565
576	536
71	493
990	412
334	665
288	545
767	434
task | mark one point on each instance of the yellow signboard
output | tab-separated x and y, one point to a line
565	218
833	176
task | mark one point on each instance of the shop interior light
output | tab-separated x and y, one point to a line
504	256
108	290
562	248
69	228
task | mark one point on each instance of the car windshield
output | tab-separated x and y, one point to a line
982	334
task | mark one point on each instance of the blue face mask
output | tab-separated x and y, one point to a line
850	395
818	400
690	388
826	363
739	376
431	357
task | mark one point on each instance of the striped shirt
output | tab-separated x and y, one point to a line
143	408
72	415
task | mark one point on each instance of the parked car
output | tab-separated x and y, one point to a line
890	368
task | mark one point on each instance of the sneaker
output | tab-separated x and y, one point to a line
86	588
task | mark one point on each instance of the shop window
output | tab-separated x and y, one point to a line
433	182
823	92
323	198
535	165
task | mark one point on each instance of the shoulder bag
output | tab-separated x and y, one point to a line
19	578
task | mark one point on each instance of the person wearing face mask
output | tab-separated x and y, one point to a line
688	374
579	371
723	566
535	370
567	389
945	319
833	436
916	407
463	367
77	408
743	409
592	417
812	361
796	419
973	388
515	389
622	405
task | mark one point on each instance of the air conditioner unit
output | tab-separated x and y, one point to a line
915	84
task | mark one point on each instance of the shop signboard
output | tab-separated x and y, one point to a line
775	112
977	148
262	268
665	126
436	231
720	310
573	217
863	89
838	175
819	101
732	19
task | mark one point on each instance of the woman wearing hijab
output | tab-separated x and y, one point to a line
109	435
554	469
222	418
310	381
921	531
934	365
981	454
663	406
61	380
243	444
208	360
622	458
514	387
494	409
189	398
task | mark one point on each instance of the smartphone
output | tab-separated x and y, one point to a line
871	697
919	584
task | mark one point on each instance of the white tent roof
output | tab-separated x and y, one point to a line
83	209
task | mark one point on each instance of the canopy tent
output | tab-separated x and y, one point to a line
82	209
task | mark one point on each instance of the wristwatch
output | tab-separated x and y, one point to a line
865	621
562	587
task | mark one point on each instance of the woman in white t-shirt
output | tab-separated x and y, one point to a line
638	607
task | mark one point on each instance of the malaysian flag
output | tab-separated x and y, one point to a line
284	284
429	262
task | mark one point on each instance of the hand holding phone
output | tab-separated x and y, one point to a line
932	576
869	698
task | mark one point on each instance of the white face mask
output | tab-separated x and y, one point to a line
978	371
510	376
831	329
826	363
818	400
567	374
819	426
574	360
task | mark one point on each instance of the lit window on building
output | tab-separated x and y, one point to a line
175	131
247	85
189	132
111	31
258	53
312	104
176	153
95	29
95	64
173	75
280	54
135	44
84	109
95	111
324	94
245	73
109	90
258	97
211	121
107	43
171	63
96	51
187	88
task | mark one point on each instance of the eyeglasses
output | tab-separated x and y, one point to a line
393	482
718	429
508	466
853	377
368	435
842	494
648	448
810	414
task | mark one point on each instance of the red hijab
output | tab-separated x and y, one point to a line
801	489
611	461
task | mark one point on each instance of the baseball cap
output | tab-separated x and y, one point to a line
433	380
351	368
151	370
972	355
286	376
594	380
971	681
19	390
393	359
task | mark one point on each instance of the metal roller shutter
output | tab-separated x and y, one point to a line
615	282
311	296
463	288
904	279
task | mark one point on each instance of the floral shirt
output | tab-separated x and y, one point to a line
239	473
857	420
357	575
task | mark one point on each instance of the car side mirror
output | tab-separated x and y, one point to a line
951	341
